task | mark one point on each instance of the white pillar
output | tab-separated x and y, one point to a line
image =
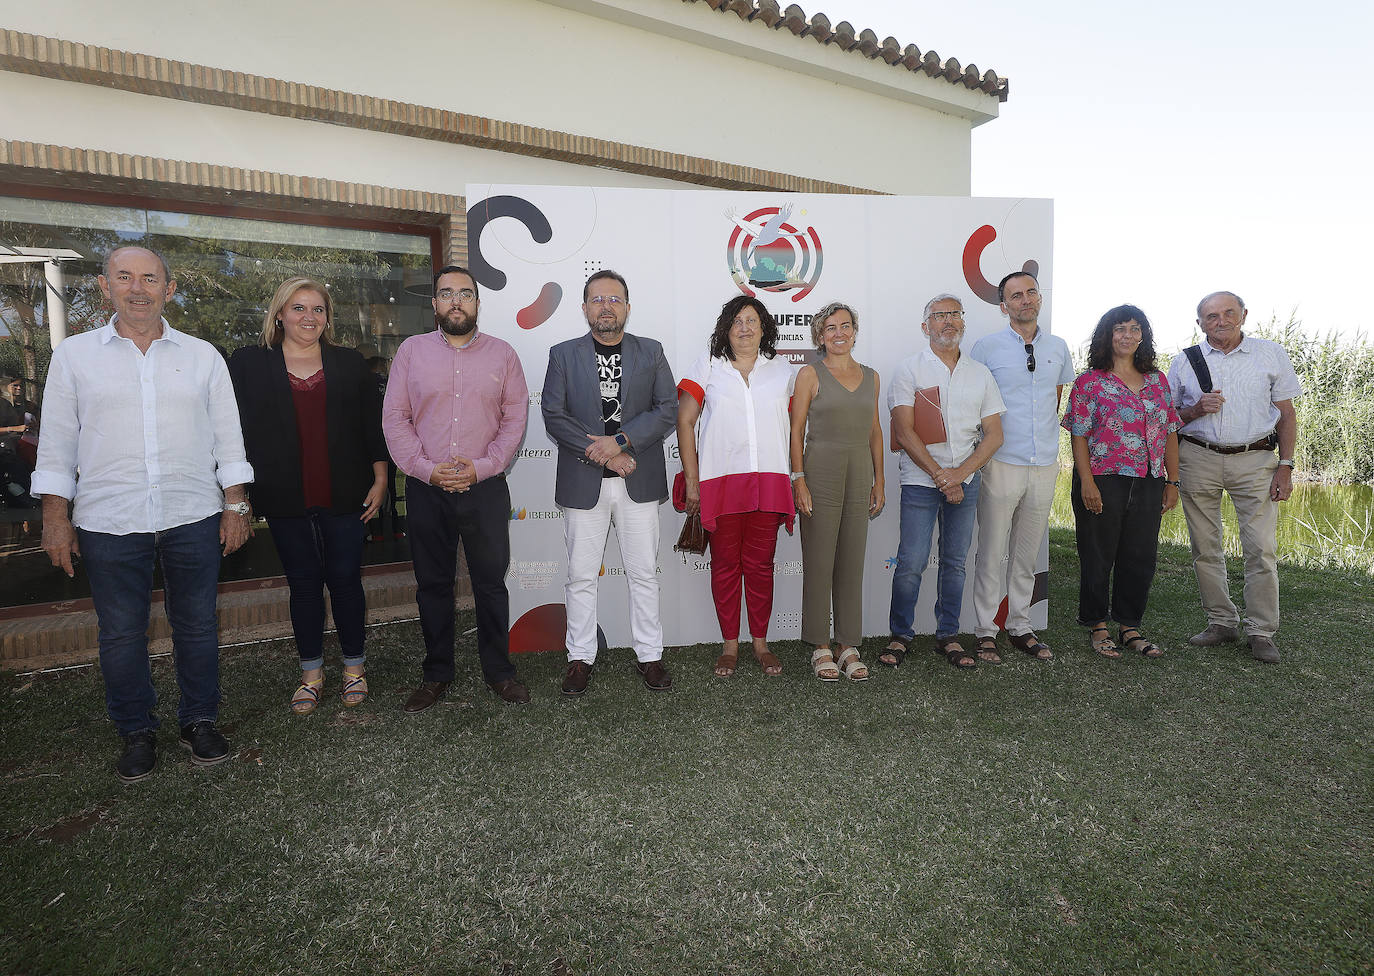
56	303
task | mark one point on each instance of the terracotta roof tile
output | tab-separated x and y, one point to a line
865	43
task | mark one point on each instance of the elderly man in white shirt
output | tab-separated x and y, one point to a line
141	430
939	479
1233	418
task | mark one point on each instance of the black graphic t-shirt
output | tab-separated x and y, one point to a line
608	373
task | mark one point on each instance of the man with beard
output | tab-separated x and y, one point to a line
608	403
453	417
1031	368
954	395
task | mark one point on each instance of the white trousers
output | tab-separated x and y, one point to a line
585	530
1013	513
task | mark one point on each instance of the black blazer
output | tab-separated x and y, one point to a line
353	423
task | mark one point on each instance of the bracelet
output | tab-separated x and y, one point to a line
1176	484
796	475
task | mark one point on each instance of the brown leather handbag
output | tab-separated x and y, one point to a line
694	536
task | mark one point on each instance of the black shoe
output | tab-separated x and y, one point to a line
576	677
139	758
206	744
655	676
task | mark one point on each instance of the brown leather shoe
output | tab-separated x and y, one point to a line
424	696
511	691
655	675
576	677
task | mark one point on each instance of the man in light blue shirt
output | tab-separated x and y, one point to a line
1031	368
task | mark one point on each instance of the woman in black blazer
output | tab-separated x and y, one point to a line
312	426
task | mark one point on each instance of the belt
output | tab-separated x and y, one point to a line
1266	443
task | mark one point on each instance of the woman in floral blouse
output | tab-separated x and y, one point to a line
1125	477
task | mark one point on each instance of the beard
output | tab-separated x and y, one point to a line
606	325
461	327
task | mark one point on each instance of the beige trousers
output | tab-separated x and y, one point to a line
1013	513
1246	478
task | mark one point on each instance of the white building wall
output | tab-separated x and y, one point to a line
684	86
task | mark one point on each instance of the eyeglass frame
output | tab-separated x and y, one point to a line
455	296
957	313
615	301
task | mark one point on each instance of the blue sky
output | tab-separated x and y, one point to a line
1189	147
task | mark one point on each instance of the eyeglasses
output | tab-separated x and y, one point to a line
458	295
954	316
615	301
1030	358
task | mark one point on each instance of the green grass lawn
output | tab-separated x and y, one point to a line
1197	814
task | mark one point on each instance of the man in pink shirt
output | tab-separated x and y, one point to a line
453	416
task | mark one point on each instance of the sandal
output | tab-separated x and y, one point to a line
987	651
1104	645
898	654
768	663
354	691
1032	645
823	664
726	664
954	654
307	696
1139	643
853	668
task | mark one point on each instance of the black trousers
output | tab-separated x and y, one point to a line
436	521
1117	549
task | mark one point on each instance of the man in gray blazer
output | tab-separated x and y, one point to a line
608	403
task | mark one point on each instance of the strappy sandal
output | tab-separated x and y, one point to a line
987	651
726	664
1032	645
1139	643
354	691
1105	645
307	696
853	668
823	664
898	654
768	663
949	648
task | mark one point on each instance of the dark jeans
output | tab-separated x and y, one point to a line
120	570
436	520
319	549
1117	548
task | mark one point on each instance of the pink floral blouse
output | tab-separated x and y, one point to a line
1126	431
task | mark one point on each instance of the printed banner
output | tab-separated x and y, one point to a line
684	254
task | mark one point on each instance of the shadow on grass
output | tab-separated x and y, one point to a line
1199	813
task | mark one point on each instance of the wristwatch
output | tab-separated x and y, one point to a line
238	508
798	474
1176	484
622	440
1286	462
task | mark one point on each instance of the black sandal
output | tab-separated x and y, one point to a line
1106	646
898	655
1032	645
1139	643
988	646
951	651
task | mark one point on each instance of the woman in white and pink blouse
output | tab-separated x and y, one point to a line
732	432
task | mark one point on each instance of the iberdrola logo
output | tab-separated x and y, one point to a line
766	252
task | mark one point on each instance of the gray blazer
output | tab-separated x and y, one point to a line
572	410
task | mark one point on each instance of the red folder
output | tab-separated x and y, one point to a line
926	418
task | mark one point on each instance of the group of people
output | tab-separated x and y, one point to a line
164	453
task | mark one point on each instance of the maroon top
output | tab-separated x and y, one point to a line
308	395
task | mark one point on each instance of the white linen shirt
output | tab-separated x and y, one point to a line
744	427
968	393
143	441
1252	377
1030	427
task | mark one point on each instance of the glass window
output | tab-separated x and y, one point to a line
226	268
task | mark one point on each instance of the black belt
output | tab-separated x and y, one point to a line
1266	443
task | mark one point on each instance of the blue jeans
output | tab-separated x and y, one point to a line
318	549
120	570
922	509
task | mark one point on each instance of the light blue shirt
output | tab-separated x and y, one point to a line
1030	427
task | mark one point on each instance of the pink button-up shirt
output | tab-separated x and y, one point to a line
442	402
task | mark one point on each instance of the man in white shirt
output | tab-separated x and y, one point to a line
141	431
1233	418
939	478
1031	368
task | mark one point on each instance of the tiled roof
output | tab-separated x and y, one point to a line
865	42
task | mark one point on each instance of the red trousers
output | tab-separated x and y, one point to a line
742	547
